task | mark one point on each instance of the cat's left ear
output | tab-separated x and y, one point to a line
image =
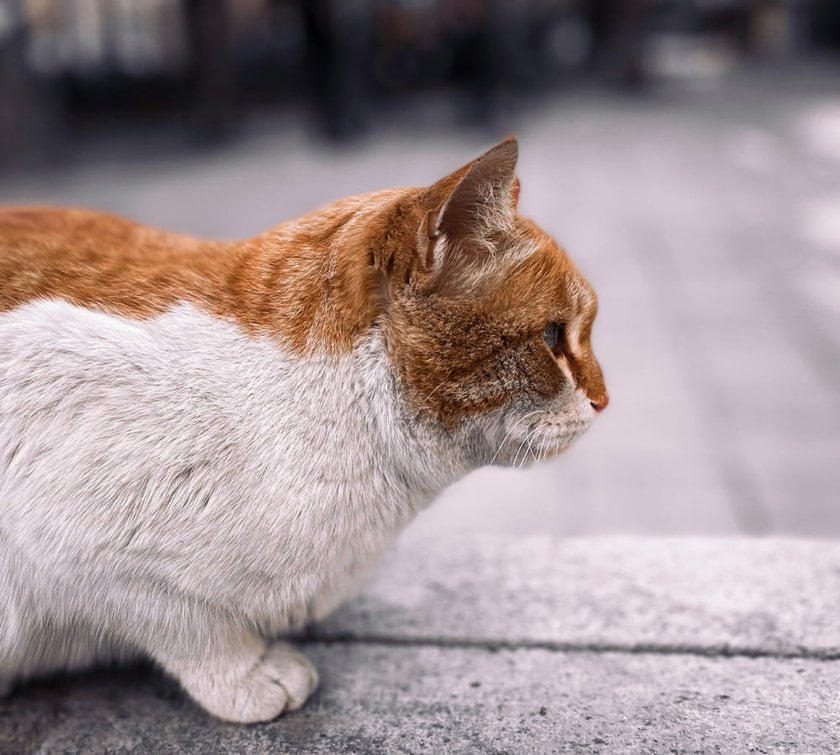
470	205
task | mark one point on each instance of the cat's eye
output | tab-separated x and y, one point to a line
553	336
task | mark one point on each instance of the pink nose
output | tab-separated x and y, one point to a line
600	403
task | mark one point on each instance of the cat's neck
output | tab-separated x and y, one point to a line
420	456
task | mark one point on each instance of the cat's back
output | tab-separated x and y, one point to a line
102	261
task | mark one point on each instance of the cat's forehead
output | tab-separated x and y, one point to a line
539	277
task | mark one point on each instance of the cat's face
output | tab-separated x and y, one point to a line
492	328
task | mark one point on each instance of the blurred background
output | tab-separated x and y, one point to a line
685	152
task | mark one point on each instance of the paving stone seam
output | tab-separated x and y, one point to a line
788	652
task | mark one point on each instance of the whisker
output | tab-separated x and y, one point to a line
530	443
516	455
516	461
510	432
522	447
530	447
519	450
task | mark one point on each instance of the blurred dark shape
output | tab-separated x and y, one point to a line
72	65
208	28
618	28
25	108
339	49
824	21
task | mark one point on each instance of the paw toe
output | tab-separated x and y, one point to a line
294	673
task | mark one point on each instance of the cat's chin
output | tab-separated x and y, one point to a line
530	450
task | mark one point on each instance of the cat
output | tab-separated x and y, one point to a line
205	444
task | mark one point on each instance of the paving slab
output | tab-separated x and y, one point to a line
379	699
774	595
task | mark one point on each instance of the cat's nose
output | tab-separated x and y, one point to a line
600	403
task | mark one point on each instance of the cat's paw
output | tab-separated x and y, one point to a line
294	672
282	679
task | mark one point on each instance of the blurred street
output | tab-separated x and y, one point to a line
706	212
709	224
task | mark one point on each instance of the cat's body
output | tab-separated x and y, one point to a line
205	444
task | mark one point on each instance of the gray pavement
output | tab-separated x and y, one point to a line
509	618
486	644
424	699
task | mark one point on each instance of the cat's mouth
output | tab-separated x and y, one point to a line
539	442
558	438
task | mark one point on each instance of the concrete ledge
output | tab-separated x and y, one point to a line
538	645
752	596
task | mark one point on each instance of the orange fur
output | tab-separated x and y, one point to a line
443	344
461	286
298	283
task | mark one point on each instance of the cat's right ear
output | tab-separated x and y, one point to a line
468	207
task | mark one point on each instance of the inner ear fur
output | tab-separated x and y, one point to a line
472	204
478	196
449	223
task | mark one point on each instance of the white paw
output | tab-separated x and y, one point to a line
282	679
293	671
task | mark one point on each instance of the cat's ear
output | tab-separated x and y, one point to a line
479	197
451	228
474	202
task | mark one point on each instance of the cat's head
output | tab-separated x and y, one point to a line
488	322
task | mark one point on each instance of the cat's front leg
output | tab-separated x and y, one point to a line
250	681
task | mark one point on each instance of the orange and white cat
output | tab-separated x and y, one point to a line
204	444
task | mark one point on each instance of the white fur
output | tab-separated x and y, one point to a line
175	489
